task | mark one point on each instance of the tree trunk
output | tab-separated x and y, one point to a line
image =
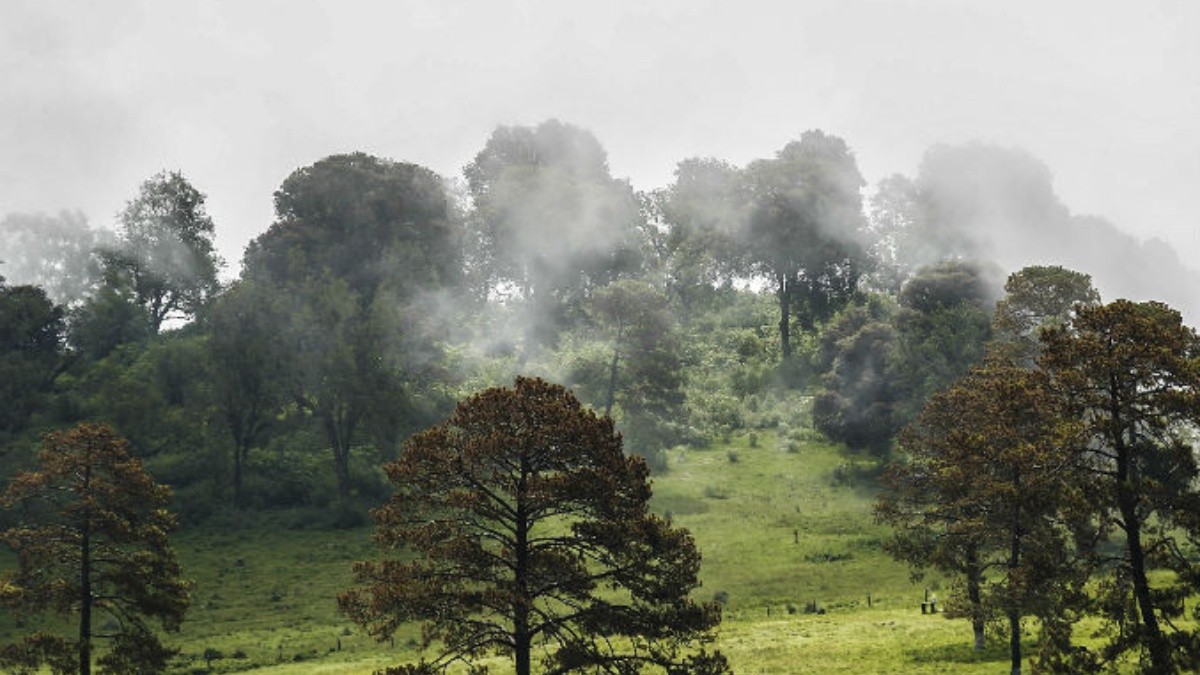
85	583
785	338
1160	651
1014	561
339	428
533	312
239	458
611	394
975	596
1014	640
522	639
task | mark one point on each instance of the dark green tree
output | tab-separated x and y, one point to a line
31	352
859	395
92	542
362	249
942	329
645	373
1131	372
373	223
340	368
103	322
164	251
804	221
247	369
509	519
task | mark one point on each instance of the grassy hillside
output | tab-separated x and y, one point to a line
783	524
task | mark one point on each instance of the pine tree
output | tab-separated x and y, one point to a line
92	542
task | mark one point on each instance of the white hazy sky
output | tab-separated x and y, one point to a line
97	96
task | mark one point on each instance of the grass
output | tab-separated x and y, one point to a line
779	527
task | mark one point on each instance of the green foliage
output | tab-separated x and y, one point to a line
110	318
942	329
155	395
804	215
1038	298
370	222
247	370
359	246
859	396
164	252
31	337
645	374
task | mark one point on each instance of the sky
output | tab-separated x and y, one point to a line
95	97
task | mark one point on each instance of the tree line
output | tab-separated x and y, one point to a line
382	294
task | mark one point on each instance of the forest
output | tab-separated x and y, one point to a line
505	406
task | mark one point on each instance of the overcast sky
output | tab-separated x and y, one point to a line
97	96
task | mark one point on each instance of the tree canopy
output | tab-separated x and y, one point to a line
164	251
31	343
550	221
371	222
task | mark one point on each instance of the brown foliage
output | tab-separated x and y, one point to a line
521	528
92	542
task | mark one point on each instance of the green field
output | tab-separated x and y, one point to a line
782	525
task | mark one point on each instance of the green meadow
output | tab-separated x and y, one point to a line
784	524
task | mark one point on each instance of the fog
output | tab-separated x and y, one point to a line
99	97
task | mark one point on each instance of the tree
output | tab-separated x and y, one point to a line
645	374
1131	372
942	329
108	319
979	490
340	366
247	368
892	223
859	396
704	212
1037	298
551	220
31	352
92	541
374	223
510	517
359	246
804	220
164	251
54	252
